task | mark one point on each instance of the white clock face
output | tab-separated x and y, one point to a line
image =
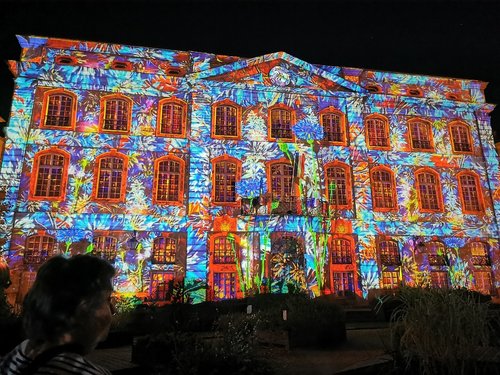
279	76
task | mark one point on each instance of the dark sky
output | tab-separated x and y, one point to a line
447	38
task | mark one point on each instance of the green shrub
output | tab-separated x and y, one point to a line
439	331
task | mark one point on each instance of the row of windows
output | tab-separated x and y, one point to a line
60	111
225	249
168	188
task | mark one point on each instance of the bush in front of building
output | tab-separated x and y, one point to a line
442	331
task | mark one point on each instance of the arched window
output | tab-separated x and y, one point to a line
383	189
59	109
461	140
333	123
377	132
111	176
116	114
105	247
479	253
282	187
38	248
470	192
226	120
429	190
169	180
171	120
420	135
49	175
338	185
226	171
164	250
281	121
389	253
340	250
436	253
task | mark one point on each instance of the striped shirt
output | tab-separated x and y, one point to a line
61	364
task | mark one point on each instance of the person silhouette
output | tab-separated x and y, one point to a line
66	313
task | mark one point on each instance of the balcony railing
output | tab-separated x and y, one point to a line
390	260
436	260
480	260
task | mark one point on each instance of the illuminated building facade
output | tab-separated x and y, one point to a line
267	174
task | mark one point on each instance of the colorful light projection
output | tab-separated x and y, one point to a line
262	242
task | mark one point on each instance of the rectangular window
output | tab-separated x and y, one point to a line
482	282
224	285
161	283
343	283
439	279
390	279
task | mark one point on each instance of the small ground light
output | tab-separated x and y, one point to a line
285	315
249	309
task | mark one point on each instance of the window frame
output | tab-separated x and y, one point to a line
480	260
106	235
464	125
294	201
226	103
479	192
439	194
97	170
182	173
280	106
348	184
41	257
225	159
428	127
45	108
102	113
385	121
393	254
169	258
342	125
36	168
393	188
159	116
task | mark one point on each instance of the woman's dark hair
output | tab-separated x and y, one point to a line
60	286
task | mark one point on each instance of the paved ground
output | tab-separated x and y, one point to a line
366	344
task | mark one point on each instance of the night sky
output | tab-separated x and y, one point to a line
445	38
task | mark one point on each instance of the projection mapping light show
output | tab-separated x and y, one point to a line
227	177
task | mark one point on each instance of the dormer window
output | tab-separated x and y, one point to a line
374	89
414	92
121	65
65	60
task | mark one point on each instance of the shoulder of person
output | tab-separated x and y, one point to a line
73	363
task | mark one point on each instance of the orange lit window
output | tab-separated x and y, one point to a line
333	126
111	177
389	253
116	114
161	285
420	135
227	171
59	109
105	247
383	189
282	187
168	183
390	279
460	137
479	253
164	249
429	191
224	248
38	249
470	194
50	169
341	251
377	132
226	119
338	185
281	120
171	118
439	279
